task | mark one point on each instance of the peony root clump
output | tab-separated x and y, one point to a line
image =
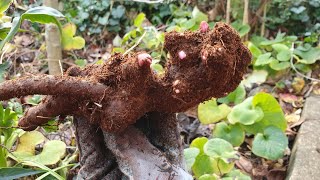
202	64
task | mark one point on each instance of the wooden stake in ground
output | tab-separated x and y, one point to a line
53	43
228	11
246	16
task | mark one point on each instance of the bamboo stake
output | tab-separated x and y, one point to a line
53	43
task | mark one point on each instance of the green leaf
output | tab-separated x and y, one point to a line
291	38
208	177
273	115
256	77
209	112
280	47
203	165
236	174
256	52
198	15
236	97
243	30
4	5
222	167
231	133
157	68
188	24
28	141
39	165
52	151
263	59
81	62
308	57
190	155
118	12
284	55
278	66
116	42
219	148
15	173
271	144
245	113
139	19
41	14
69	42
279	38
199	143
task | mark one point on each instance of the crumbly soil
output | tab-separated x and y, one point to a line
120	91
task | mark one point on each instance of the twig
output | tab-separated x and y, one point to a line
138	42
294	68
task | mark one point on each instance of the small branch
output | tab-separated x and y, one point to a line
138	42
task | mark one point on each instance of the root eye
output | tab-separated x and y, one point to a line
182	55
144	59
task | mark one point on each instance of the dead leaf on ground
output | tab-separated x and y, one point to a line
24	40
298	84
277	174
244	164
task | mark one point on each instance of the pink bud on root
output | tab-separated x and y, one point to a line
182	55
144	59
204	26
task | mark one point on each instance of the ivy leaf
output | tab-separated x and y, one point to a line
278	66
231	133
245	113
219	148
190	155
271	144
199	143
273	115
69	42
263	59
209	112
284	55
236	97
118	12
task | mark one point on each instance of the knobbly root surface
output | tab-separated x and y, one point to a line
114	95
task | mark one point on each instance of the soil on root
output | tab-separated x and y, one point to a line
119	92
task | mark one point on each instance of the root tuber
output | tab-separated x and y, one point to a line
123	89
